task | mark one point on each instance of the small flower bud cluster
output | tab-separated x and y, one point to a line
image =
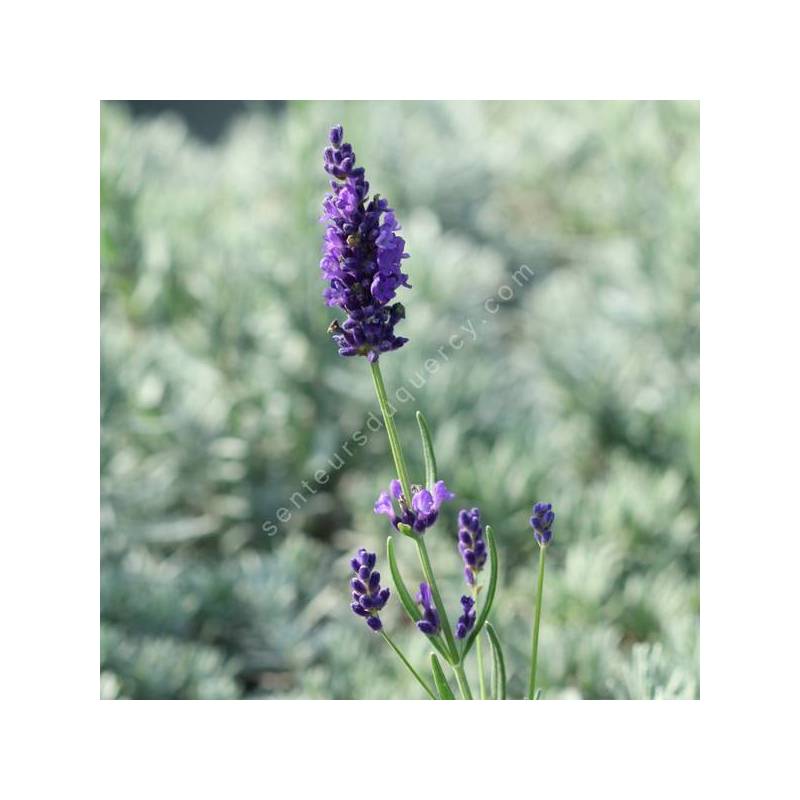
368	597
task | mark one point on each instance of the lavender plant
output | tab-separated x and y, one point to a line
362	258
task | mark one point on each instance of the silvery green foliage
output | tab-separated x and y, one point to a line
221	393
650	676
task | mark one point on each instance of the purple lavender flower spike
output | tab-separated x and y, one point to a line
467	618
361	257
471	544
542	522
429	624
424	508
368	597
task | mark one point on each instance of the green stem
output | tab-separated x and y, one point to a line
408	665
427	569
463	683
422	550
481	679
391	430
536	619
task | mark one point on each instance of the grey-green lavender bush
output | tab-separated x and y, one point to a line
221	394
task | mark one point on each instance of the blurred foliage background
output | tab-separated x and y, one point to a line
221	393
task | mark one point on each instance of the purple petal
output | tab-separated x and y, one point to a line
383	505
424	596
335	135
544	537
440	494
423	502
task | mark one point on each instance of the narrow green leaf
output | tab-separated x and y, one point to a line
489	598
405	596
412	609
538	695
442	686
427	451
498	664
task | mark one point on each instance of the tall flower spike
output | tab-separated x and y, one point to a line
471	544
429	624
361	257
542	522
368	597
424	509
467	618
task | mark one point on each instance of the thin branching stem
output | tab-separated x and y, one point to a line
536	619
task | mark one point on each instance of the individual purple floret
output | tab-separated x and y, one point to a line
361	257
542	521
368	597
467	618
424	509
429	624
471	544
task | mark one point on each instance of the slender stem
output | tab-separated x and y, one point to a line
391	430
481	678
463	683
536	619
427	569
422	550
408	665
